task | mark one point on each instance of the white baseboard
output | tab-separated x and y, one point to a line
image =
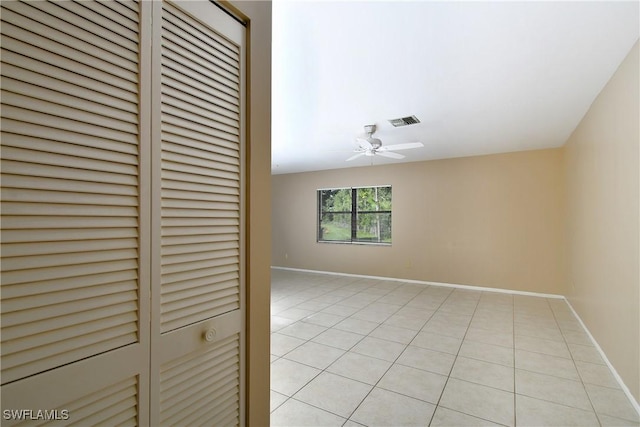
422	282
618	378
623	386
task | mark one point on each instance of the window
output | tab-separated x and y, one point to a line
355	215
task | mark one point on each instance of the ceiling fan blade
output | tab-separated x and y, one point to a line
355	156
389	154
363	143
405	146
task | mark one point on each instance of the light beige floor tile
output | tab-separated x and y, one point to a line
381	349
360	367
607	421
427	360
323	319
490	337
278	323
540	345
386	408
313	305
334	393
577	337
478	327
415	312
371	315
287	377
479	401
611	402
585	353
277	399
487	352
359	300
441	328
483	373
302	330
340	310
552	389
282	344
546	364
295	313
448	418
569	324
427	304
437	342
358	326
329	298
593	373
407	322
538	331
543	318
492	325
397	299
316	355
413	382
451	318
393	333
294	413
535	412
350	423
494	311
337	338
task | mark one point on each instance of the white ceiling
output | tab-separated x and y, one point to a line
482	77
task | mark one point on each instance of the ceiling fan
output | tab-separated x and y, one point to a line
370	146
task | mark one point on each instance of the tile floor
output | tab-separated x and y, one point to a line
349	351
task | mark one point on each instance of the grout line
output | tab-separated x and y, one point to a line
574	364
393	363
456	355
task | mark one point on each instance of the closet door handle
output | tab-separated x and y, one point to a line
210	335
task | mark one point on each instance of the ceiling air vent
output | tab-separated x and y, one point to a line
404	121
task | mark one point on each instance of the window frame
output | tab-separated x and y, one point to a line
354	212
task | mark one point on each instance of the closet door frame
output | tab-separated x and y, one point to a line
167	346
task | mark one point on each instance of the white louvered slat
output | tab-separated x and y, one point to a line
48	16
84	188
122	12
31	69
70	186
28	95
102	407
176	98
202	55
56	236
226	48
174	80
126	77
201	150
95	24
200	116
190	385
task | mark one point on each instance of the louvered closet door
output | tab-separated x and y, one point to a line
197	327
74	286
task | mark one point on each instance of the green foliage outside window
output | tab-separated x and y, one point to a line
361	215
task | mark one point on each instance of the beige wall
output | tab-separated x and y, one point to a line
602	176
487	221
259	226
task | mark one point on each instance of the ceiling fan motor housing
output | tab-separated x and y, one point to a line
375	142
